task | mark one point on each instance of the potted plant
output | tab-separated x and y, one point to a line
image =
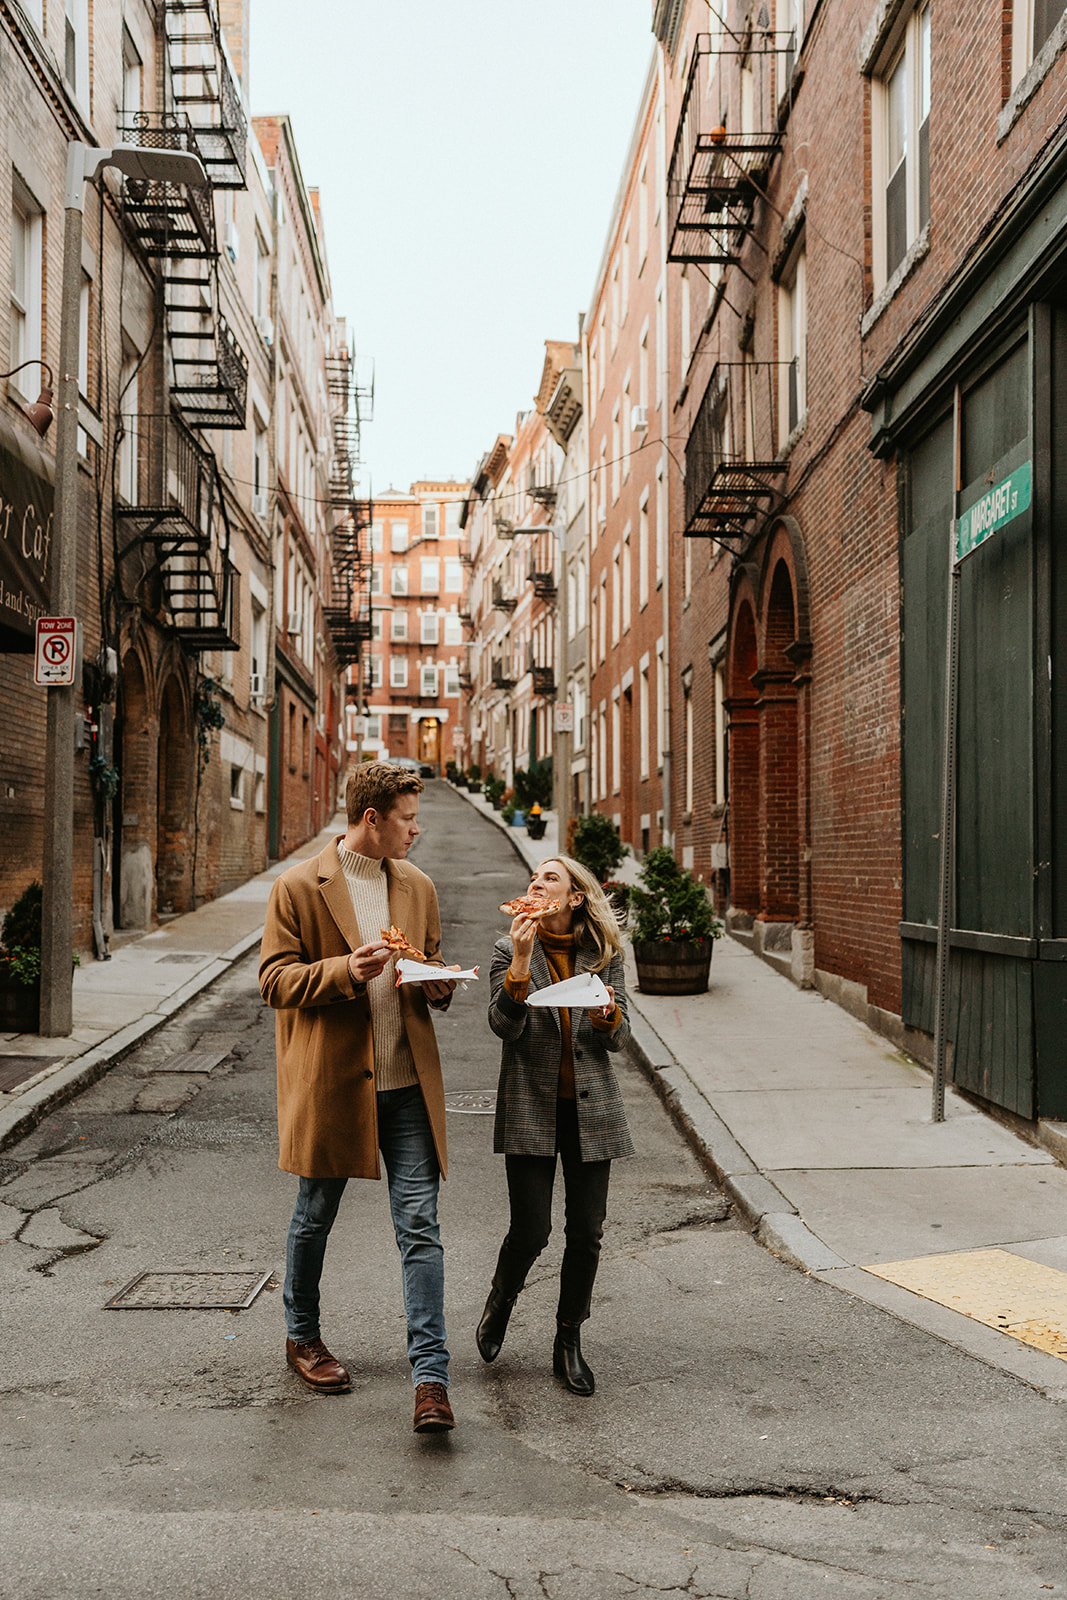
507	806
493	789
674	928
20	964
453	773
474	778
594	841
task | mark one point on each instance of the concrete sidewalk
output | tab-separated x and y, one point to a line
821	1134
118	1003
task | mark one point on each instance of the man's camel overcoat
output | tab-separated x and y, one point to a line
327	1100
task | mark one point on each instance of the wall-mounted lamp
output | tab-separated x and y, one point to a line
40	413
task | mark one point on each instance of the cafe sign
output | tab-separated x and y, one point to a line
994	511
26	500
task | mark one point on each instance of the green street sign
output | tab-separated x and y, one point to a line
994	511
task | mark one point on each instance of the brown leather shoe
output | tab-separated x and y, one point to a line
310	1360
433	1414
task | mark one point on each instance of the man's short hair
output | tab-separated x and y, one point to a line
377	785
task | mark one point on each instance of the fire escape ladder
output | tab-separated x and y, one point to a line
348	611
209	384
732	470
717	165
204	90
176	508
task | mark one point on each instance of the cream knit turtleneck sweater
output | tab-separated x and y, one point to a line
394	1065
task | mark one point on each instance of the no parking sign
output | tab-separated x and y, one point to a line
57	652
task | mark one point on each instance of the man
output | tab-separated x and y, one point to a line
358	1069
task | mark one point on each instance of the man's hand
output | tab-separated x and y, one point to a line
441	988
369	961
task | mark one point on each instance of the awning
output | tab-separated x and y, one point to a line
27	497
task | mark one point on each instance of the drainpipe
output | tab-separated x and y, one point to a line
662	358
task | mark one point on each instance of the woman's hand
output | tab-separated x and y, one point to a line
609	1009
523	936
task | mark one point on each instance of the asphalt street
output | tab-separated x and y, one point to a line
755	1432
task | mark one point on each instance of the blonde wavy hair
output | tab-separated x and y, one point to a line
594	921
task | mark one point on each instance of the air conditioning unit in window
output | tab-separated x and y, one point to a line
265	329
259	503
296	622
255	685
639	419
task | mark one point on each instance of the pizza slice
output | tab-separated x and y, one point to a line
395	939
529	905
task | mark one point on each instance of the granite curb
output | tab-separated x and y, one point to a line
57	1084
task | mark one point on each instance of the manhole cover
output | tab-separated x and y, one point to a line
179	959
189	1291
475	1102
194	1061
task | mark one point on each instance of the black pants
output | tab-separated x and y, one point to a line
585	1188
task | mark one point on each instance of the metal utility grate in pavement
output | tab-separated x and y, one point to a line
475	1102
194	1061
17	1069
189	1291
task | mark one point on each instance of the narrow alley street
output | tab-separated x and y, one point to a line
755	1432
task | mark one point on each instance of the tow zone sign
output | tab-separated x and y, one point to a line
57	651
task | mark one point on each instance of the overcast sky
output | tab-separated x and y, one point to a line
467	154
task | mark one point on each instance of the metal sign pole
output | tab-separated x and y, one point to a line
947	873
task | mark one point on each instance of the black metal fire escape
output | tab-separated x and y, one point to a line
348	609
721	150
177	505
732	470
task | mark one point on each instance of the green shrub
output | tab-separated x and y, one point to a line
22	925
670	905
594	841
474	773
533	786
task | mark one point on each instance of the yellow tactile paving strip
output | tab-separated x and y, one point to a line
1005	1291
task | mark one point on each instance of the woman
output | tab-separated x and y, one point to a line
557	1096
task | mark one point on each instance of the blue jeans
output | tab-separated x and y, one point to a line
407	1148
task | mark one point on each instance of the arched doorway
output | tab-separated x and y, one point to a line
744	761
132	884
174	803
428	742
779	871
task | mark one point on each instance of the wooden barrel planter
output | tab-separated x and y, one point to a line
674	967
20	1005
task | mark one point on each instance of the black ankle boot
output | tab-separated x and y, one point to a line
567	1360
494	1324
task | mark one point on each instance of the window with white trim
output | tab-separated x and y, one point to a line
452	511
376	578
375	672
376	536
642	553
429	628
453	577
76	48
453	628
400	580
26	285
430	576
132	77
398	535
399	628
1032	23
900	146
428	682
792	345
451	682
430	521
398	672
129	391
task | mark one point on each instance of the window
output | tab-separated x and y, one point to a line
237	789
25	290
375	672
400	580
132	78
76	48
616	744
686	331
452	511
626	580
453	577
451	682
616	454
398	672
901	148
689	749
625	275
261	282
398	537
643	703
453	628
377	531
400	625
661	720
428	682
615	292
1033	22
792	345
306	764
376	572
642	216
129	389
793	25
259	468
292	738
616	594
428	627
720	732
661	525
376	624
642	553
430	575
429	521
